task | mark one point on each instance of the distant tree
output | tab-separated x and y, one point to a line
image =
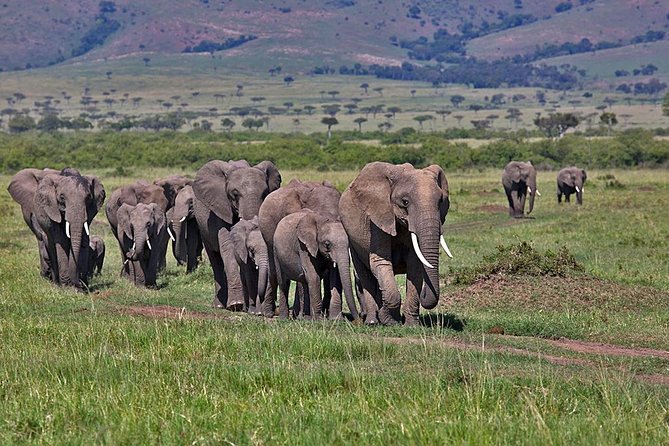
513	116
443	114
333	93
608	101
252	123
481	124
288	105
167	105
146	61
218	96
385	126
108	74
556	124
360	121
420	119
476	108
50	122
459	119
238	92
610	119
21	123
364	86
517	98
374	109
350	107
394	110
331	110
288	80
227	124
492	119
379	90
195	94
413	93
456	100
257	99
309	109
136	101
19	97
329	121
206	125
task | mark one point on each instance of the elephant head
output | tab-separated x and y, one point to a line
180	216
171	186
320	235
252	255
234	190
132	194
142	233
65	205
520	180
571	180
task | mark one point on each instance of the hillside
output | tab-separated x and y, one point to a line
320	32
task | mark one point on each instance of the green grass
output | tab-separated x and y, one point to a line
87	368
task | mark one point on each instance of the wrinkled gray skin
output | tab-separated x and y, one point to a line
63	200
22	189
96	257
309	247
225	192
380	209
571	180
138	227
519	180
182	227
297	195
171	186
251	255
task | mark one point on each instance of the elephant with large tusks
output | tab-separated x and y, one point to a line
226	192
393	215
520	181
62	210
571	180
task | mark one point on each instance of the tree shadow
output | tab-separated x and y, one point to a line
443	320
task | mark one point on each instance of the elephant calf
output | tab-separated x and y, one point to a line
183	230
308	248
571	180
96	257
252	257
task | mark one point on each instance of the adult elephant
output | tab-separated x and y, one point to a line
171	186
142	231
571	180
297	195
224	193
64	207
520	180
393	215
183	229
22	188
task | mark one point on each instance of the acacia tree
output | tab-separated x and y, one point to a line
555	125
364	86
329	121
360	121
457	99
610	119
227	124
420	119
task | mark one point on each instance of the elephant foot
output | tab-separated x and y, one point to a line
337	317
411	320
389	317
216	303
236	306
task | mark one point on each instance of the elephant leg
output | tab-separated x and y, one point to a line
284	288
44	260
512	204
411	307
334	306
220	287
567	198
559	195
193	248
327	289
313	291
382	269
300	302
522	195
368	289
249	302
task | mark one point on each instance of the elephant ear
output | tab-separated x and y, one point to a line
272	174
442	183
307	233
99	195
45	198
210	187
371	192
238	238
160	218
23	186
123	216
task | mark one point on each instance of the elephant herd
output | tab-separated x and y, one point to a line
259	236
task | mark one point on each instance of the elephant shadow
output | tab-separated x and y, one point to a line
443	321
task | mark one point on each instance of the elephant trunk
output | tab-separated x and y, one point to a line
249	207
344	266
262	261
74	224
140	240
532	190
180	249
428	234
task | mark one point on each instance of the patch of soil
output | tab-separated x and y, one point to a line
608	349
168	312
646	189
654	379
492	208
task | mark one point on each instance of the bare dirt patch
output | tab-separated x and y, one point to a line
608	349
168	312
492	208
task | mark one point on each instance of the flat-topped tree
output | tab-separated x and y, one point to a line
329	121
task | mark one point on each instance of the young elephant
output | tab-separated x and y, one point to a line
571	180
307	248
252	256
142	235
520	180
183	230
96	257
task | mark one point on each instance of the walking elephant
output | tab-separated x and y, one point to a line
251	255
22	188
520	180
183	230
65	204
142	232
309	247
297	195
571	180
171	186
224	193
393	215
96	256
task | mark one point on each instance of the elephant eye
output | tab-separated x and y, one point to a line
327	244
61	197
235	194
405	202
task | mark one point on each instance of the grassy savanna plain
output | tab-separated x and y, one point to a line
209	86
509	359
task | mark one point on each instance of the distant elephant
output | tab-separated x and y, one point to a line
96	257
393	215
224	193
251	254
321	197
520	180
22	189
142	231
171	186
64	207
183	230
571	180
309	247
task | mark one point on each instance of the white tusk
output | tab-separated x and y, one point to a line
334	264
88	232
445	246
577	189
529	190
148	243
414	240
257	267
538	193
582	188
134	245
169	231
67	229
182	219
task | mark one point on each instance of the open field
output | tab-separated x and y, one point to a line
509	359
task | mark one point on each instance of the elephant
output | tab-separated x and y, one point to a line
308	247
96	256
571	180
297	195
393	215
225	192
142	231
22	188
251	255
520	180
183	230
65	204
171	186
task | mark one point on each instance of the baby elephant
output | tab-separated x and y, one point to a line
570	180
251	255
308	248
96	257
